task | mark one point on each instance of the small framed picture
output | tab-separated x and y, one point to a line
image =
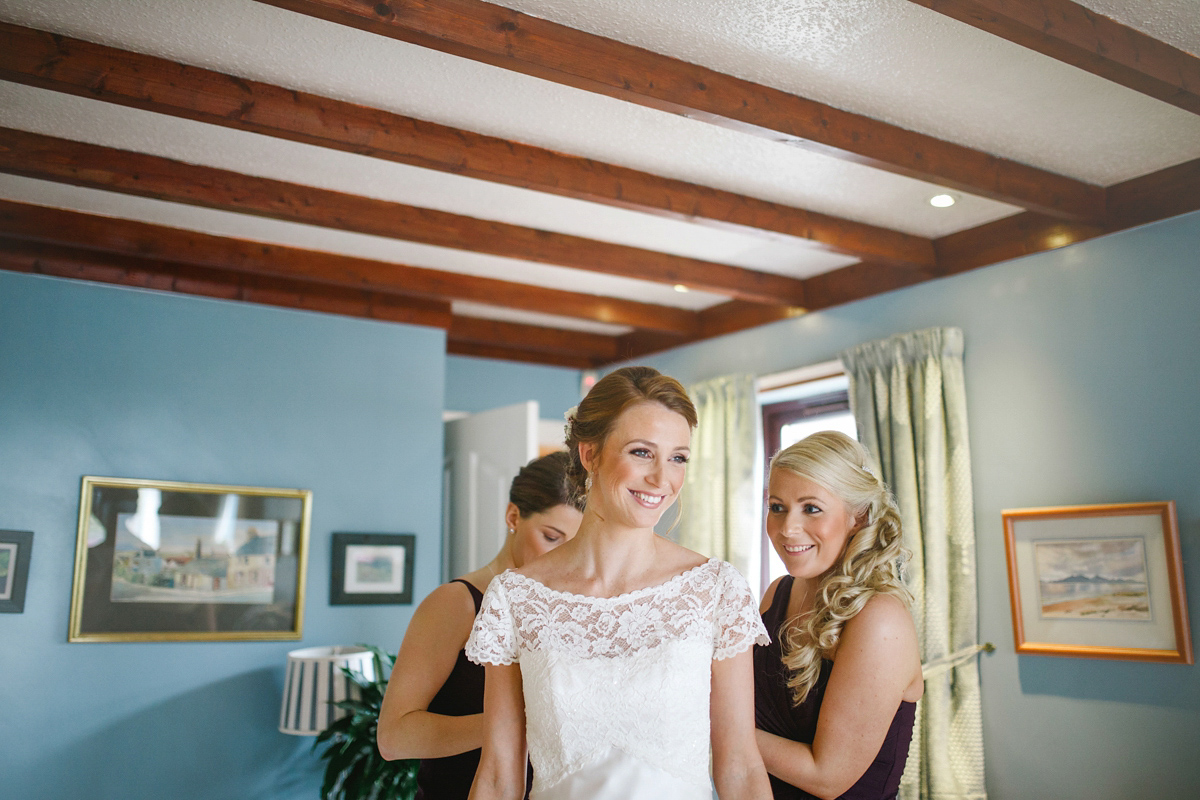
1102	581
372	568
170	561
15	549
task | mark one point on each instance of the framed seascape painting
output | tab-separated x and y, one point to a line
168	561
1100	581
372	568
15	549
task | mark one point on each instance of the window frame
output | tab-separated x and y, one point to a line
774	417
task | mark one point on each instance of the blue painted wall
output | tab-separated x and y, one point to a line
480	384
105	381
1083	385
1083	369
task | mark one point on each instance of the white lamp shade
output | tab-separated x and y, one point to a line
315	681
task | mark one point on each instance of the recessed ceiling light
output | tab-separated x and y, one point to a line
1059	239
679	287
942	200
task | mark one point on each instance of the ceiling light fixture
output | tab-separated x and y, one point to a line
679	287
942	200
1059	239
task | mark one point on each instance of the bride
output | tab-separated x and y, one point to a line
622	659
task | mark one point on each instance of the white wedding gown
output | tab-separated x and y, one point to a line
617	689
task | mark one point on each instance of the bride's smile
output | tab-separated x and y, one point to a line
638	472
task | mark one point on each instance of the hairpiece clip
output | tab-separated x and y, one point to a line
867	469
570	418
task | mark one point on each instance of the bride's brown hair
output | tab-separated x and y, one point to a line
597	413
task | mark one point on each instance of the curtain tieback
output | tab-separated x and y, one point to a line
946	663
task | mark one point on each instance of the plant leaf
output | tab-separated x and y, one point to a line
355	770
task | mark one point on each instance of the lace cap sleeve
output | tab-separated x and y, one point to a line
736	621
493	637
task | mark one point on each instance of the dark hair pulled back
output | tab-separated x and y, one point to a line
611	395
543	484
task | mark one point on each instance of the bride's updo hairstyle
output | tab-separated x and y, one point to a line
596	415
869	565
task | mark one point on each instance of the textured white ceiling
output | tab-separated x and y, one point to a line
526	318
224	223
896	61
1176	22
92	121
265	43
887	59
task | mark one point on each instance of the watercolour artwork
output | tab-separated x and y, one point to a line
160	561
1093	579
1098	581
173	559
374	569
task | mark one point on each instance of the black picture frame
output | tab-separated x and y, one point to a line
372	569
15	550
172	561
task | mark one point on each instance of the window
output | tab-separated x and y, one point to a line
791	412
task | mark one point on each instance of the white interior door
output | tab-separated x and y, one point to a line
484	452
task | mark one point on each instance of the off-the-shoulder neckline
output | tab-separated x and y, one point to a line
682	576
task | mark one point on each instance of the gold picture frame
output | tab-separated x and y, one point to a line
176	561
1098	581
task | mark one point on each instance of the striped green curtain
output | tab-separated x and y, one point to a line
909	400
720	505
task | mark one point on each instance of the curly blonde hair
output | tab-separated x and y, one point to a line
870	564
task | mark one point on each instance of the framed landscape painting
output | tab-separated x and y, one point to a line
169	561
372	568
1102	581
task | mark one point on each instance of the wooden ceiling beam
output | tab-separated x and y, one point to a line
94	166
144	240
1011	237
511	40
1149	198
1166	193
515	354
859	281
155	274
1078	36
735	315
465	335
718	320
516	336
85	69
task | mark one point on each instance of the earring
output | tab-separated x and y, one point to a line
587	483
511	531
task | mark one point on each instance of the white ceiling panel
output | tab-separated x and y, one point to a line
1176	22
887	60
926	73
311	237
267	44
482	311
84	119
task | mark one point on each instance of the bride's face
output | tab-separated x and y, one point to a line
638	472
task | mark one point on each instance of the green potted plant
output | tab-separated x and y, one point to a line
355	770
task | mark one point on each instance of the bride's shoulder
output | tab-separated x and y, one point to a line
676	559
548	566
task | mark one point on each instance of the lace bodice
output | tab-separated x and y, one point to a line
623	677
